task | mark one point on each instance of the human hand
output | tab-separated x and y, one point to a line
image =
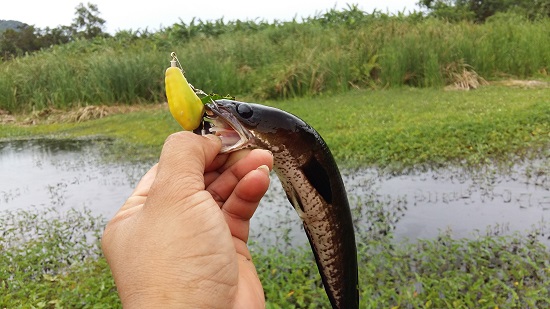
180	239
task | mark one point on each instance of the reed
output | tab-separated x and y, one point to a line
330	53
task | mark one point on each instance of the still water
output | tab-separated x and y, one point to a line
73	174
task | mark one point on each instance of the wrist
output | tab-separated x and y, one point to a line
158	299
159	296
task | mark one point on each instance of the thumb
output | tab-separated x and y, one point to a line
181	166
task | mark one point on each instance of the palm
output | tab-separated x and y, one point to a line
190	233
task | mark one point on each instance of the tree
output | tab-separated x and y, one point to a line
484	9
451	10
87	23
18	42
25	39
480	10
8	46
55	36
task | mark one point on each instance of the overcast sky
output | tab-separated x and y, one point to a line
154	14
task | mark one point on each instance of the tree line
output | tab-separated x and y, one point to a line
480	10
88	24
25	39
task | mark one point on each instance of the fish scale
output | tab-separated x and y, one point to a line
312	182
308	204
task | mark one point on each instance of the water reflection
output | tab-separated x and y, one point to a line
64	174
72	174
416	205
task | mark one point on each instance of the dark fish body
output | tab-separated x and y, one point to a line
313	184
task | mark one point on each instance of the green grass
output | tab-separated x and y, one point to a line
53	260
487	272
396	128
276	61
409	127
137	136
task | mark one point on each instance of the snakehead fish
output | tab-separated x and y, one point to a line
310	178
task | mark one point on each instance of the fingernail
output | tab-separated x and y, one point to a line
263	168
269	151
212	137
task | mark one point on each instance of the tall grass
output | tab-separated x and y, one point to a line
281	60
67	76
506	45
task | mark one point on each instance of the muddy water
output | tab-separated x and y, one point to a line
464	203
64	175
72	174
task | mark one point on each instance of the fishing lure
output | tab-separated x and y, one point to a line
185	106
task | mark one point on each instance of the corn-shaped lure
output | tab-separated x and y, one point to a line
184	104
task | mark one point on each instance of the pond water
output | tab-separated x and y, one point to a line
63	174
73	174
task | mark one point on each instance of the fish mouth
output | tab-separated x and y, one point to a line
221	122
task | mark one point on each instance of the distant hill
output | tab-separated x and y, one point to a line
10	24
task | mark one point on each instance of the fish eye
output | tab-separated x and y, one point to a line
244	110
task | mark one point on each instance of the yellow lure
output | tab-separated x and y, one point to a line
185	106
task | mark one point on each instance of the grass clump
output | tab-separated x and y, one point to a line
68	76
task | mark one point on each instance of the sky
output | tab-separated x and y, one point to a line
157	14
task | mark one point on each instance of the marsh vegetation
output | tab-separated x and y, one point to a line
381	90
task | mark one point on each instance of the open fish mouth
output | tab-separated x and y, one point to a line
222	123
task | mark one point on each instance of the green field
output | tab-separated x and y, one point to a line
63	268
395	129
371	84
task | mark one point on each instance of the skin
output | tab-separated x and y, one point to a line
312	182
180	238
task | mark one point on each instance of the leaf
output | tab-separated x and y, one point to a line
50	278
214	96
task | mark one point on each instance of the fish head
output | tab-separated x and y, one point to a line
247	125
